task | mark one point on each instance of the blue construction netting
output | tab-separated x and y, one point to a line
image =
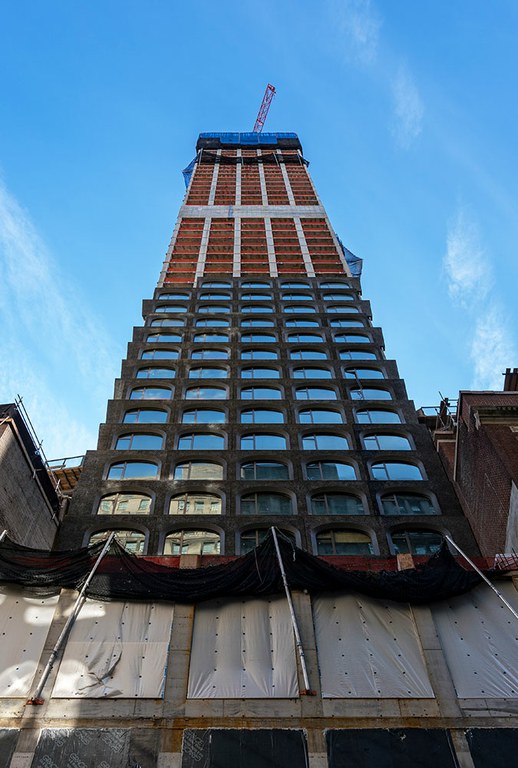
354	263
248	138
188	172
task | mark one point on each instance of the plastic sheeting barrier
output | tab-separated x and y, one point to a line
24	625
244	749
380	748
493	747
243	649
479	638
116	650
368	649
8	739
82	748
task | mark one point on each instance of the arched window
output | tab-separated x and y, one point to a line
259	322
216	284
133	470
263	441
173	296
335	284
193	503
261	393
341	541
301	322
206	393
416	542
125	504
208	372
307	354
324	442
378	441
256	297
342	323
260	373
338	297
395	470
294	285
215	296
210	354
211	322
191	542
168	338
259	354
343	309
132	541
258	309
201	441
262	416
203	416
251	539
198	470
264	470
151	393
171	308
295	308
266	504
336	504
315	393
357	354
159	354
312	373
330	470
363	373
297	297
320	416
377	416
166	322
255	284
156	373
257	338
139	441
370	393
145	416
301	338
216	309
353	338
406	504
210	337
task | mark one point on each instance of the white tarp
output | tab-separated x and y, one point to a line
368	648
479	638
243	649
24	625
116	650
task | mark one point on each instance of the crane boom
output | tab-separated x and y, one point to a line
265	106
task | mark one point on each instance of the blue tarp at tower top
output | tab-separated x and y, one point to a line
188	172
354	263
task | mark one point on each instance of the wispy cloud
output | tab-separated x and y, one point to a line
408	108
468	269
359	23
466	263
492	349
54	351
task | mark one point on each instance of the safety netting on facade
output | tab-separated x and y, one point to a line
122	576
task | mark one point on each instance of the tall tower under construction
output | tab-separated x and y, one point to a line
285	598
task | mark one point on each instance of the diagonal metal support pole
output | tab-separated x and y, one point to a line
307	690
36	697
3	534
482	576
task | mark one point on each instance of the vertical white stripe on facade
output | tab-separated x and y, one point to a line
310	271
236	264
262	180
212	193
202	256
238	179
286	178
272	262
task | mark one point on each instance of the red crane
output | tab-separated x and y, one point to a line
265	106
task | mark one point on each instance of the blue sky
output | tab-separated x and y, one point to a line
406	111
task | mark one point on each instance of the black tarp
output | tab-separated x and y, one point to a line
8	739
126	577
95	747
493	747
390	748
251	748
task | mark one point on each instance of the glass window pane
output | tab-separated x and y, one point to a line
392	470
203	416
195	504
216	284
315	393
363	373
406	504
341	323
159	354
170	338
198	470
325	442
264	470
205	393
139	442
260	393
201	441
336	504
296	308
192	543
208	373
164	322
380	442
133	470
301	323
416	542
330	470
260	373
265	504
210	337
263	442
171	308
143	416
212	323
358	354
343	542
209	354
320	416
256	323
370	416
365	393
262	416
258	337
312	373
155	373
124	504
214	308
